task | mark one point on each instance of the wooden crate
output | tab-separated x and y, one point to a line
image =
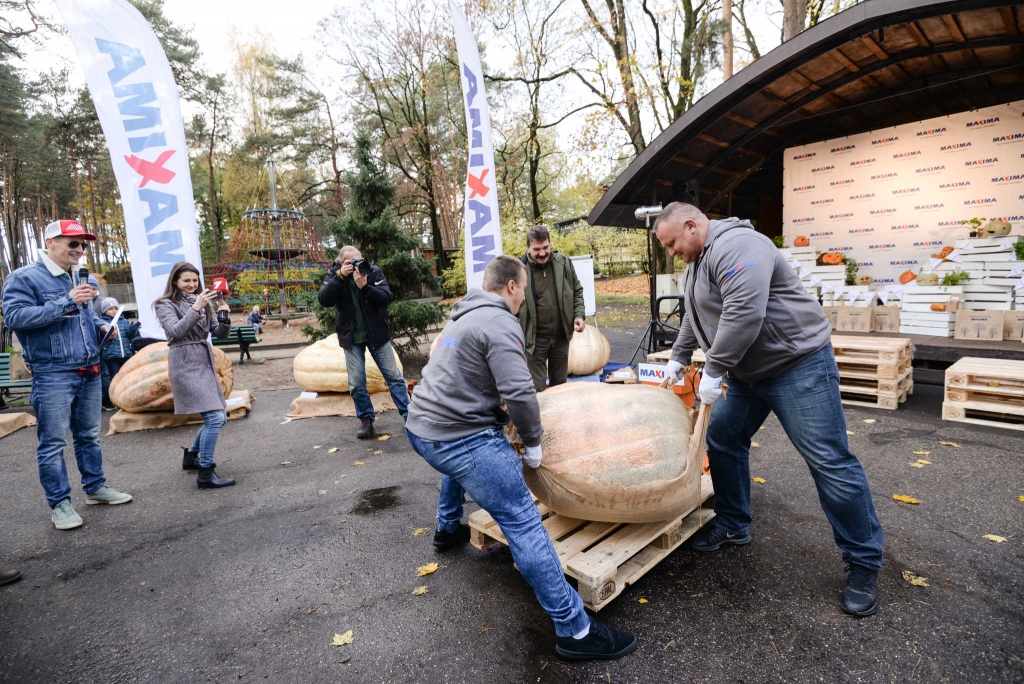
985	392
605	558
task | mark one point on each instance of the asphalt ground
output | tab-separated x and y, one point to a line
251	583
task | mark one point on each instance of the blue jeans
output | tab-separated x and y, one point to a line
108	369
384	357
62	400
206	439
806	401
486	466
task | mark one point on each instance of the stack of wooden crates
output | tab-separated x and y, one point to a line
985	392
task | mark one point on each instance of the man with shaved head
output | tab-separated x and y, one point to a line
749	312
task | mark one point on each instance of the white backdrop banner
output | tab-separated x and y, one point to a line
137	102
482	230
892	197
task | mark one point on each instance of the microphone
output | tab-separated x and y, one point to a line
83	276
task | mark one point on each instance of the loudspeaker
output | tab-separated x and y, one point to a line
686	191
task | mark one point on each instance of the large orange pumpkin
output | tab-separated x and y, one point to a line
801	241
143	384
615	453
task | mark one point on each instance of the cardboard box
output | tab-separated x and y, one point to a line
856	319
978	325
624	375
887	319
832	313
1013	325
651	373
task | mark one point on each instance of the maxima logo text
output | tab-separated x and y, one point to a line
803	188
822	169
822	202
904	227
928	243
982	162
907	155
955	146
954	185
845	216
931	131
903	262
884	176
805	156
886	141
983	122
979	202
844	148
860	231
864	196
863	162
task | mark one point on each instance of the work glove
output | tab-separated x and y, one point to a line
532	456
710	389
673	369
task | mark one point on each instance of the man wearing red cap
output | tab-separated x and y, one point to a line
47	304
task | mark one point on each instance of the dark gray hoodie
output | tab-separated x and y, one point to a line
476	364
754	318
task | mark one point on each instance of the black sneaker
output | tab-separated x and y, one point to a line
602	643
107	406
366	429
860	595
712	538
443	541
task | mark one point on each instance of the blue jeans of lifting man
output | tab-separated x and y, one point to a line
807	403
486	466
63	400
384	357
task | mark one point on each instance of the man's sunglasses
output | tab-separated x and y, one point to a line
75	244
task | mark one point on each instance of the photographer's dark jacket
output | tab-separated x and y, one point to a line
373	305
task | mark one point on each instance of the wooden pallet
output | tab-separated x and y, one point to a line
852	381
874	399
605	558
985	392
886	358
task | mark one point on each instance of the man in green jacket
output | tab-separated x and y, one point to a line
552	311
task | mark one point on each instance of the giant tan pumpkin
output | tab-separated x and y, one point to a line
615	453
320	367
142	384
589	351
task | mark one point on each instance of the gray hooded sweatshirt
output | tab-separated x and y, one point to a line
746	307
477	363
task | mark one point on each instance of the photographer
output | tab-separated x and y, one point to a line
360	293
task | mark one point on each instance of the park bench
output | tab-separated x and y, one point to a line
243	336
6	384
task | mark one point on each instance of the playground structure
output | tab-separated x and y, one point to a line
272	258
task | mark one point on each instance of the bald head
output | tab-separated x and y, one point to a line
683	229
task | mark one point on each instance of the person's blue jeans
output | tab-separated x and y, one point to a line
807	403
63	400
384	357
108	369
486	466
206	439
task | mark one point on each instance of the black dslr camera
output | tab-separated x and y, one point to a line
361	265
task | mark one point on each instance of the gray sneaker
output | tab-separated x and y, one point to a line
64	516
107	495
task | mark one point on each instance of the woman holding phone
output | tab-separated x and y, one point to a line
188	314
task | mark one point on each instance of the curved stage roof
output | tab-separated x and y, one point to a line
880	63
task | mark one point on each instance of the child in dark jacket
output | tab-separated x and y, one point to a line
256	320
113	356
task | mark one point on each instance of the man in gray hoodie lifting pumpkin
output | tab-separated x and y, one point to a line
747	309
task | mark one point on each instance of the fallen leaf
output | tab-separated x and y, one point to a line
949	444
358	463
759	480
383	438
420	530
419	591
924	462
1020	498
643	600
754	444
917	464
869	421
342	639
378	451
318	447
905	499
286	462
922	453
321	492
994	538
332	450
427	569
849	433
761	428
914	579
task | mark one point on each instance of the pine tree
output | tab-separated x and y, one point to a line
369	225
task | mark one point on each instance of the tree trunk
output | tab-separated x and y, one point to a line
93	254
727	39
214	221
794	15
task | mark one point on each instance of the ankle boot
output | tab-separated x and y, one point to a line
365	429
190	461
208	479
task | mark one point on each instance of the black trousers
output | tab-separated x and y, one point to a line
549	361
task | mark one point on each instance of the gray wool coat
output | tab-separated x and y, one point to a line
190	362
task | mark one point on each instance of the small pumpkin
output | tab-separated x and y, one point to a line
946	251
589	351
938	307
831	259
864	280
928	279
320	367
143	384
801	241
907	276
993	228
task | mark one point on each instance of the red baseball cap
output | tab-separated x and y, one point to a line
66	228
221	285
